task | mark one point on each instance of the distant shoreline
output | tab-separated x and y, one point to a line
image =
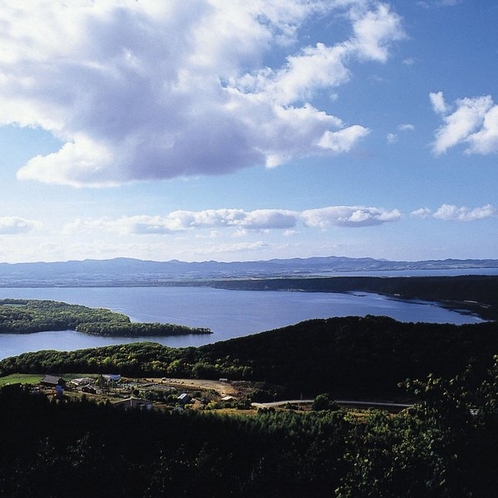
469	294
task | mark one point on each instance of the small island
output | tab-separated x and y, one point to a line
25	316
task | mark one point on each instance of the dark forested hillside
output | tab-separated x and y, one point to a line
446	446
349	356
359	356
476	293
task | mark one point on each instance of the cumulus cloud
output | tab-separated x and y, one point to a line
243	221
469	121
375	31
453	213
348	216
13	225
184	220
450	212
438	103
155	90
423	213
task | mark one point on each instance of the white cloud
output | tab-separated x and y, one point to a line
438	103
348	216
485	141
13	225
342	140
470	121
155	90
185	220
392	138
438	3
450	212
424	213
375	31
242	221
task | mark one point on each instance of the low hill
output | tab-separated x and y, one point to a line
352	356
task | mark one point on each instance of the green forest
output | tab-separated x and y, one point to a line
345	356
475	293
24	316
444	445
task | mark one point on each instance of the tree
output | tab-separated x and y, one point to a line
324	402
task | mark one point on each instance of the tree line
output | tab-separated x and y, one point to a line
24	316
363	357
475	293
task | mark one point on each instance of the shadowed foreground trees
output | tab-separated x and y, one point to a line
445	446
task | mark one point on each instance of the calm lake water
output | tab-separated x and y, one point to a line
227	313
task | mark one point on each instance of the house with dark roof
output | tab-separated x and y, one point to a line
52	381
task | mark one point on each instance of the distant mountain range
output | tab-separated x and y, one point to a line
127	271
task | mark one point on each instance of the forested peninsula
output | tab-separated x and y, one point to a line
24	316
474	293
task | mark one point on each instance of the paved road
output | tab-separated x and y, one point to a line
340	402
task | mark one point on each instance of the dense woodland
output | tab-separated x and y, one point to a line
475	293
24	316
445	445
346	357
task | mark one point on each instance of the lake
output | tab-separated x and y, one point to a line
227	313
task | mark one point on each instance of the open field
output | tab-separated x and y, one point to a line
221	387
20	379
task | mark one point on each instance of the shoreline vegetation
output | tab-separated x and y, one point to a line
468	294
475	294
347	357
25	316
444	444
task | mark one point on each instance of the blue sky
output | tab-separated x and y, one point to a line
234	130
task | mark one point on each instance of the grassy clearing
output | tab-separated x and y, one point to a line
20	379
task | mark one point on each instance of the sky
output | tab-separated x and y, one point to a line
235	131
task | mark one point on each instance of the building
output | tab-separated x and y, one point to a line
184	398
133	403
52	381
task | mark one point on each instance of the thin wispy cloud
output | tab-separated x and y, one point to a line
392	138
155	90
428	4
13	225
